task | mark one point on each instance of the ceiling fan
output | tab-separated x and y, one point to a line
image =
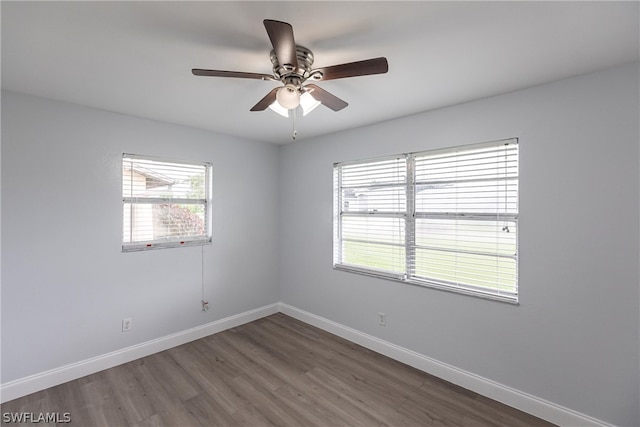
292	65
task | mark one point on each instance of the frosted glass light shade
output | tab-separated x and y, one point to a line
288	96
308	103
275	106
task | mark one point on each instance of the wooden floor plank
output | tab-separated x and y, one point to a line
245	363
130	396
264	401
276	371
174	378
366	405
208	412
311	408
99	401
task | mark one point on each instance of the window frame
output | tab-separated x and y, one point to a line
412	216
398	214
179	241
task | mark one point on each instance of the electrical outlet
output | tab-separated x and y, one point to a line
382	319
127	324
205	305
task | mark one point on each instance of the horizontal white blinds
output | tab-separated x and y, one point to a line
466	205
165	203
446	218
370	212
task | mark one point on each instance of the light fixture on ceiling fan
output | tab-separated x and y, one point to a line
289	97
292	66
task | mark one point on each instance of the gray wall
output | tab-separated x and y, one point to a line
66	285
574	339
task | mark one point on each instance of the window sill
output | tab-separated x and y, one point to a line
506	298
138	247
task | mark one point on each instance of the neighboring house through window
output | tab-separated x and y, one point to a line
165	203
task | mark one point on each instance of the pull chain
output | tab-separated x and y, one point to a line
295	132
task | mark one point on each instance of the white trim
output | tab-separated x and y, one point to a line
515	398
33	383
509	396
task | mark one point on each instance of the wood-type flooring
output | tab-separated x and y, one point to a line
276	371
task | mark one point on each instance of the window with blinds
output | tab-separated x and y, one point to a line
446	219
372	203
165	203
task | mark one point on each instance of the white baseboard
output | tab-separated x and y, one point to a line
33	383
509	396
525	402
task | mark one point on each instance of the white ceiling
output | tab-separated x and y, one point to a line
136	57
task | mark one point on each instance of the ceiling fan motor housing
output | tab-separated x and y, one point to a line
288	73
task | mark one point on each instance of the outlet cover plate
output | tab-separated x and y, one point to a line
127	324
382	319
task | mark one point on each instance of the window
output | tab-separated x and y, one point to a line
446	219
165	203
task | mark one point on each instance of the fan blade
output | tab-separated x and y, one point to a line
264	103
354	69
281	36
237	74
331	101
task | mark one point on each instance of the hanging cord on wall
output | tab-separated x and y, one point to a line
205	304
